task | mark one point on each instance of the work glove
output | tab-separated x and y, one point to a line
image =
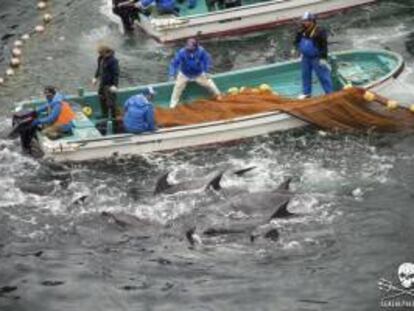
113	89
324	62
294	53
94	81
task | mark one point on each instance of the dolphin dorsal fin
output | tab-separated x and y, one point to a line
162	184
244	171
282	211
285	185
215	182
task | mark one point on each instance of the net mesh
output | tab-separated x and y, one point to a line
346	110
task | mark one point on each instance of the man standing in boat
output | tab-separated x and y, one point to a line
312	43
107	74
191	63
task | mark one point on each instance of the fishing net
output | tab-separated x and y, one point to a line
348	110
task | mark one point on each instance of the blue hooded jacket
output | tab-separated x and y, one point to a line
138	115
53	107
190	63
162	5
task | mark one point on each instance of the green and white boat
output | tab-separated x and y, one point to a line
367	68
207	20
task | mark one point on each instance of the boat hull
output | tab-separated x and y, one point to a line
367	69
243	19
173	139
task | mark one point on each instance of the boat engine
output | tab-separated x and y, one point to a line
21	121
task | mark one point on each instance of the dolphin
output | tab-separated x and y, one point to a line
163	186
276	200
261	207
125	220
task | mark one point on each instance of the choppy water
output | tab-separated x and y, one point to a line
354	194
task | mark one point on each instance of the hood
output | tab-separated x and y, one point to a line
57	98
141	101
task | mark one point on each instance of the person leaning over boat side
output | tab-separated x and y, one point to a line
127	11
163	6
58	120
107	73
191	63
224	4
139	112
312	43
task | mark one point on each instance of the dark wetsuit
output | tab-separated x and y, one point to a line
127	14
108	74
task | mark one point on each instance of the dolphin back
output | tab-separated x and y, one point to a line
162	184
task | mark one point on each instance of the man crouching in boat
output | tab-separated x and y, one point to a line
191	63
58	120
139	112
312	43
56	123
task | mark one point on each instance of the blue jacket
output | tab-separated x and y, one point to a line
190	63
53	108
138	115
162	5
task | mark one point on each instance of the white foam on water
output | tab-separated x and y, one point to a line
315	177
363	38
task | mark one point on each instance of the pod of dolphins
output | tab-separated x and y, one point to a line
258	210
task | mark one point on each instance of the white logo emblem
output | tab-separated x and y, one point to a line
394	293
406	274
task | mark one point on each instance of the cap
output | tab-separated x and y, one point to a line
149	90
308	16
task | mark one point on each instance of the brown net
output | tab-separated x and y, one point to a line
346	110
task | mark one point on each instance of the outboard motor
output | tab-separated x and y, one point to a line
20	120
22	126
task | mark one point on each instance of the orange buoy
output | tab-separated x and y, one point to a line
26	37
47	18
39	28
18	43
41	5
15	62
392	104
9	72
17	52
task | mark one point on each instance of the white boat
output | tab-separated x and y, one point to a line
368	69
252	15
